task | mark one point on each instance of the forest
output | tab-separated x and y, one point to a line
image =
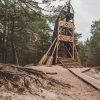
41	55
25	35
90	49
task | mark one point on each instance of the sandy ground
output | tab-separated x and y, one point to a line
78	90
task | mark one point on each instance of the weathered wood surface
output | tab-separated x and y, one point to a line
92	81
65	38
67	25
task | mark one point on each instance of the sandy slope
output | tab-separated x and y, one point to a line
77	90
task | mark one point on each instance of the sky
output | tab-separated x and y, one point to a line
86	11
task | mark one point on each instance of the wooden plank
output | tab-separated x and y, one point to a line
65	38
85	70
70	63
92	81
68	25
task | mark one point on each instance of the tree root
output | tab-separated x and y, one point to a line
21	79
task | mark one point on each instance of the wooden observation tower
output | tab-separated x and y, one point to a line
63	49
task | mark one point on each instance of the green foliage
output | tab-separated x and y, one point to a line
24	35
90	50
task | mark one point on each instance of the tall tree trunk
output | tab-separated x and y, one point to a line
12	44
3	44
6	47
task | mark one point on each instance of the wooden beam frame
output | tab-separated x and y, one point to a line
68	25
65	38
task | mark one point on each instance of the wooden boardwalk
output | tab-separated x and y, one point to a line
92	81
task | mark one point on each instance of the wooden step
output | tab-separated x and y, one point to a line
70	63
75	64
67	62
65	59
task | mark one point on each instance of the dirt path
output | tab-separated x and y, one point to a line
76	90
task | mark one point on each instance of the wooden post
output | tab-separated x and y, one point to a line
57	51
42	61
57	44
50	60
73	49
73	42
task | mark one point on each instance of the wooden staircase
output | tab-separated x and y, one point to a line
68	62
